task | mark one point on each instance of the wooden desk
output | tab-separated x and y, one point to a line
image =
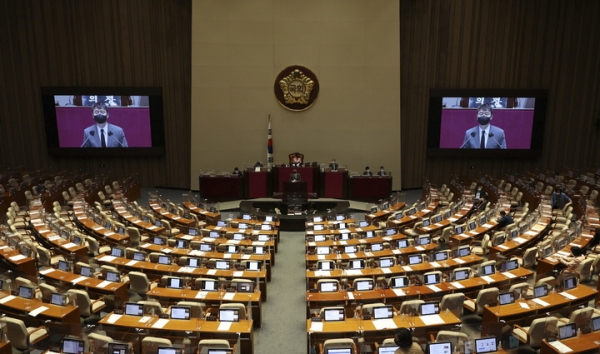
120	326
211	299
515	313
5	347
21	264
95	230
159	270
385	213
589	342
147	227
178	220
523	241
313	258
410	219
92	285
63	319
204	214
54	241
546	265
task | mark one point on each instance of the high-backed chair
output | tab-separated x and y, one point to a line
339	343
150	344
167	225
152	307
410	306
105	201
453	303
98	340
23	338
487	296
87	306
205	344
367	309
480	248
197	309
539	329
47	290
456	338
139	283
46	258
585	270
529	259
135	236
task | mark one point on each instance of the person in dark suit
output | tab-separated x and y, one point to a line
479	193
236	172
333	165
559	199
258	164
295	176
484	136
367	172
102	134
504	219
382	172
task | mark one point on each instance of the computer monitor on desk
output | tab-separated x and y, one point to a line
328	287
118	348
220	351
339	351
133	309
429	308
58	299
439	348
73	346
180	312
229	315
169	350
567	331
26	292
387	349
569	283
112	276
486	345
335	314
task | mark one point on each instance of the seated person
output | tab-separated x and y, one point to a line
295	176
236	172
334	165
381	172
403	339
572	262
504	219
297	160
367	172
479	193
258	164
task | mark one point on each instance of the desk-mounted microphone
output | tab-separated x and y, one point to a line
472	136
92	133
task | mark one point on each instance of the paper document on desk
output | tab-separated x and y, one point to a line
6	299
399	292
487	226
160	323
46	271
502	247
435	264
238	273
541	302
386	270
103	284
419	248
524	305
396	251
316	326
187	237
107	259
130	263
407	268
384	324
246	256
452	219
227	255
145	245
37	311
201	294
531	233
322	273
145	319
431	320
69	245
211	272
487	279
434	288
224	326
560	347
77	280
312	244
228	296
457	285
458	260
17	258
350	295
568	296
509	275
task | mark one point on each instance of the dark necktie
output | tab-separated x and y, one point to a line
104	141
482	145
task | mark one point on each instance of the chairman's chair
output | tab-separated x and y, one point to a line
23	338
150	344
205	344
541	328
453	303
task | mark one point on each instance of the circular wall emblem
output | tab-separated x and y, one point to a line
296	88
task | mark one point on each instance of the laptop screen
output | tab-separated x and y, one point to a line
325	265
192	231
117	252
439	348
328	287
459	229
58	299
180	312
569	283
169	350
164	259
391	231
259	250
363	224
415	259
220	351
375	247
485	345
159	241
424	240
350	249
113	276
339	351
540	291
139	256
319	227
399	282
209	285
344	235
567	331
356	264
383	312
429	308
507	298
264	238
205	247
232	249
464	251
472	225
253	265
369	234
431	279
72	346
213	234
181	244
426	222
238	236
118	348
334	314
25	292
133	309
175	283
229	315
363	285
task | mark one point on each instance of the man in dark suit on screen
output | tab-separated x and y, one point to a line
484	136
102	134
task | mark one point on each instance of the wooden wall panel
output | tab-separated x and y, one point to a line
95	43
501	44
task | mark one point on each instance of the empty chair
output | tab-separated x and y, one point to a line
205	344
519	289
539	329
150	344
152	307
197	309
94	247
410	307
456	338
103	199
139	283
47	291
487	296
480	248
168	229
47	258
529	259
98	340
21	337
585	270
453	303
135	236
87	307
367	309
